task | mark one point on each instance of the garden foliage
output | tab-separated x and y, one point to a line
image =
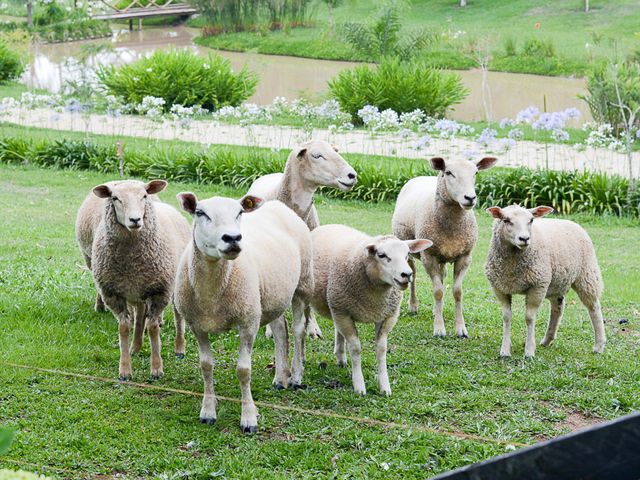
180	77
11	66
378	181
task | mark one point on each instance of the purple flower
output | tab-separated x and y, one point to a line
527	115
72	105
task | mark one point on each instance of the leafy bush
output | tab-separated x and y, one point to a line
400	86
48	13
534	47
180	77
602	97
378	180
381	37
11	66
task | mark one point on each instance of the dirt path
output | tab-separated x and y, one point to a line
524	153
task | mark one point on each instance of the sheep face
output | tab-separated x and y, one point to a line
129	200
389	259
460	178
216	224
321	164
515	222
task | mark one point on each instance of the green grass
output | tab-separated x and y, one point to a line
563	22
78	428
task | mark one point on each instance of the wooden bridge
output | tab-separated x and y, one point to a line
132	9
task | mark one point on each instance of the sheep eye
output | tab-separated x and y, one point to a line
382	255
115	199
531	221
200	213
239	214
448	172
317	155
145	197
506	220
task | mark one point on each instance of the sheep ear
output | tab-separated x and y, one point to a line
155	186
418	245
250	203
495	212
102	191
438	163
486	162
188	201
371	249
540	211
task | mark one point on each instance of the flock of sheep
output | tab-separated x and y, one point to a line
243	263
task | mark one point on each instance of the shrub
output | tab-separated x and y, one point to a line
534	47
378	179
180	77
602	97
11	66
48	13
400	86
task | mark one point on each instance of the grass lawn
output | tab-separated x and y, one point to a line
563	22
83	428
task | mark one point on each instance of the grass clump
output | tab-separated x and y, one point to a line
180	77
400	86
11	66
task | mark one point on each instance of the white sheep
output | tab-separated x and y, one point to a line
441	209
136	247
241	275
542	259
310	166
359	278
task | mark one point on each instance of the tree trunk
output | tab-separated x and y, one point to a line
463	3
586	5
30	13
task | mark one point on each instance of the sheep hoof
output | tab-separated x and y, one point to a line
180	356
208	420
439	334
124	378
156	376
100	308
598	350
529	357
249	429
463	335
505	356
298	386
279	386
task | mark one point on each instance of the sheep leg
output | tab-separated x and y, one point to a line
180	341
298	324
382	332
437	272
595	312
155	309
313	329
505	301
281	341
120	309
339	349
534	300
267	331
208	410
413	299
140	311
249	416
99	305
460	268
347	328
555	317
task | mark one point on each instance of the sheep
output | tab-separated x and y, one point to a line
359	278
234	276
542	259
440	208
309	166
134	255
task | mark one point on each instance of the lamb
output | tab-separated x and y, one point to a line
440	208
542	259
309	166
234	276
134	255
359	278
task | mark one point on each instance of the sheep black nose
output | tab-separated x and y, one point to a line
135	220
231	238
352	176
406	275
524	239
470	199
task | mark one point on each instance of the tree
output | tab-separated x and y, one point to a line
463	3
30	13
586	5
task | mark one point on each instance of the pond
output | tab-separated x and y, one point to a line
293	77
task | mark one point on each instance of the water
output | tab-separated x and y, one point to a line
293	77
